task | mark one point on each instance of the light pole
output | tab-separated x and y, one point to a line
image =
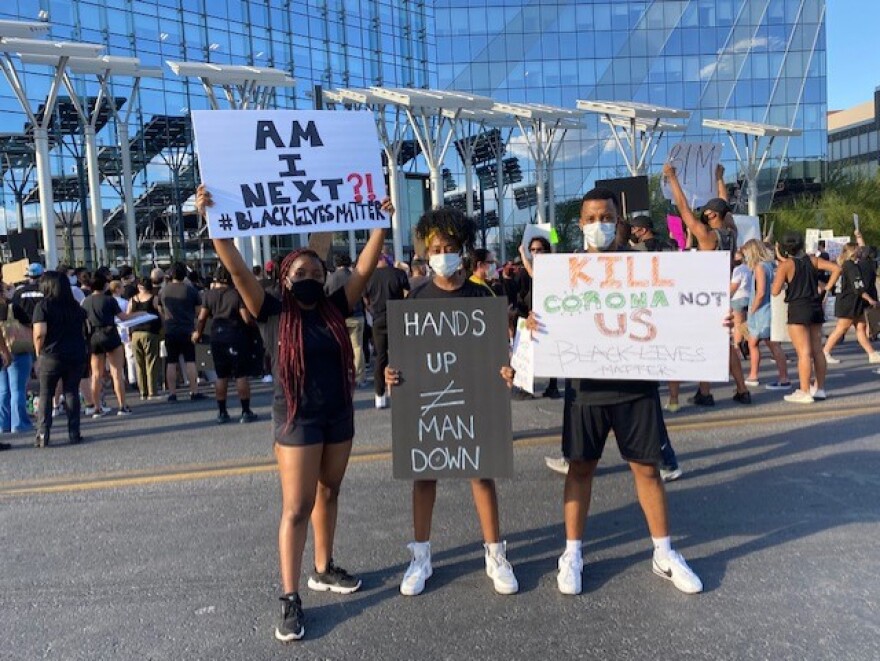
749	160
11	43
245	88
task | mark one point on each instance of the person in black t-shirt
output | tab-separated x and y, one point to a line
632	410
313	409
388	283
229	346
60	345
447	234
105	345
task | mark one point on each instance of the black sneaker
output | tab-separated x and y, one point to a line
195	396
125	410
552	393
172	398
291	626
5	446
76	440
702	400
743	397
247	416
335	579
223	418
41	440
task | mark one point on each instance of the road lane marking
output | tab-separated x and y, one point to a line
193	472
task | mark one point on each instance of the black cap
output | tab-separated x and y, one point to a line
641	221
717	205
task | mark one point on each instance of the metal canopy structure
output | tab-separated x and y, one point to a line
758	139
18	156
640	125
245	88
12	42
103	68
398	150
432	115
544	128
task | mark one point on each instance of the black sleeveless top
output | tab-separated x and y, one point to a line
154	326
803	289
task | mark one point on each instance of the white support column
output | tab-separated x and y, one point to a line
96	208
47	201
128	193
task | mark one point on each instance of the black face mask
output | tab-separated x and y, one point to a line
308	291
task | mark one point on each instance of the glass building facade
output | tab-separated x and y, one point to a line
753	60
333	43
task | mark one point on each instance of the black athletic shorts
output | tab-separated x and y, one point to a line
336	427
177	346
637	424
808	314
104	340
229	360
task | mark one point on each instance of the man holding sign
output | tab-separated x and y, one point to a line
627	404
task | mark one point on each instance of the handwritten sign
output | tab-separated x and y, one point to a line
522	358
633	316
695	164
451	414
289	172
834	246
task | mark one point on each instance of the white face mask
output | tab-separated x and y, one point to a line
492	273
599	235
445	264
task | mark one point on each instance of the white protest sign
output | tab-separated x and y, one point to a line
695	164
533	230
522	358
289	171
632	316
137	320
747	228
834	246
811	240
779	319
856	221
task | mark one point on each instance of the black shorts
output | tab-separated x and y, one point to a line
104	340
637	424
177	346
808	314
337	427
230	361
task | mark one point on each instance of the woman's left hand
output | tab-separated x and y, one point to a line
387	207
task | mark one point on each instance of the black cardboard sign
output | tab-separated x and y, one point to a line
451	414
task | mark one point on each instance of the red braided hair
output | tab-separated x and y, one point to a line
291	356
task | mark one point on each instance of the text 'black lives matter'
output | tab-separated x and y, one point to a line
451	413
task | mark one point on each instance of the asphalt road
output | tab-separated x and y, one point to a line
157	540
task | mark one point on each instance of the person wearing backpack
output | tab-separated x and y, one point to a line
715	230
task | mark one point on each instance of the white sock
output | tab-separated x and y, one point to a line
662	546
424	547
495	549
573	546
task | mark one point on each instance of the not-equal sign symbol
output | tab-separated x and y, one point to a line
438	396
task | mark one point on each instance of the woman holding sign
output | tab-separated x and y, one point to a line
448	235
312	413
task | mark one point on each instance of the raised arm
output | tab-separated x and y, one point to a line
719	181
246	282
702	233
366	263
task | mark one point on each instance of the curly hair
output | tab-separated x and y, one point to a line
449	222
291	354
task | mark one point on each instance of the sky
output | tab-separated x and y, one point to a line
853	57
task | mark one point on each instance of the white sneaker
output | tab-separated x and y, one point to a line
874	357
381	401
267	379
571	566
419	569
752	383
672	567
799	397
58	411
500	571
830	360
670	474
818	394
557	464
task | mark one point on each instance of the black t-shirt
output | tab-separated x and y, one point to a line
603	392
468	290
386	284
100	310
129	291
11	310
26	299
224	306
179	302
323	392
868	269
64	330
